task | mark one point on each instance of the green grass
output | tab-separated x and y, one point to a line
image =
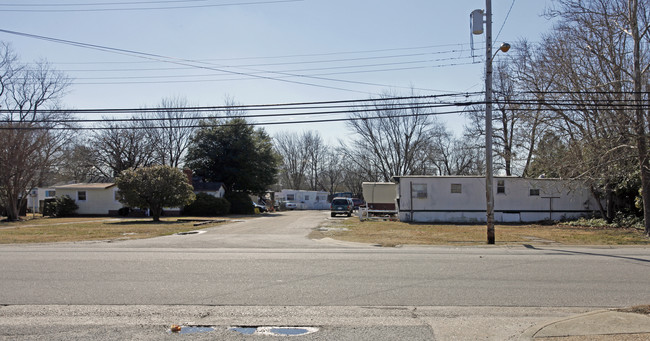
50	230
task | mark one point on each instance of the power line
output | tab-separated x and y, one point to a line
505	20
275	115
387	107
109	9
298	63
180	61
273	106
220	124
287	74
460	45
101	3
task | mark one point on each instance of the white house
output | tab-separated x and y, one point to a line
215	189
37	197
305	200
462	199
92	198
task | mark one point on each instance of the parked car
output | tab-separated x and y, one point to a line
261	207
290	205
357	202
342	206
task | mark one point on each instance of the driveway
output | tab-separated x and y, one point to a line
281	230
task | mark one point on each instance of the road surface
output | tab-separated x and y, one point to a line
266	272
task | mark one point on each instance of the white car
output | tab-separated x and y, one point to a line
290	205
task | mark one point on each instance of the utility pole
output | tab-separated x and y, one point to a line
489	177
477	28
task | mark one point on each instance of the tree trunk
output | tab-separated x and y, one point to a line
603	213
156	213
12	212
640	120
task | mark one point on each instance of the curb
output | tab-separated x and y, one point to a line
596	323
530	333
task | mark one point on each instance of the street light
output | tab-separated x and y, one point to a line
489	177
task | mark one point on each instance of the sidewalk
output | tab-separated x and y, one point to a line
598	325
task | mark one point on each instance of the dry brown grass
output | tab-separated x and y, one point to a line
639	309
49	230
391	233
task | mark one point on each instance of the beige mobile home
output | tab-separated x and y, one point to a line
379	195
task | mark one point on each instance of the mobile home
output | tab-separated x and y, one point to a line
462	199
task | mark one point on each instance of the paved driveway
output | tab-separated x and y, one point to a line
281	230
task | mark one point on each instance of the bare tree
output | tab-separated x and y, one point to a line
79	163
517	122
591	71
453	156
171	130
33	132
315	151
393	139
294	160
122	147
332	173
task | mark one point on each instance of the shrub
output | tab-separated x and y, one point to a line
620	220
240	203
628	220
49	207
207	205
64	206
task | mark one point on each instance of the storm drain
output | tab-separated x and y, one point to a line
275	331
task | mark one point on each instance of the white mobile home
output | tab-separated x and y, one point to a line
305	200
462	199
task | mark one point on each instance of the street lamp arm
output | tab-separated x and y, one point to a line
504	48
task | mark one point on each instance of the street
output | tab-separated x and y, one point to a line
264	271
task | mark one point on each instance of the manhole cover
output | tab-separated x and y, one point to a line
275	331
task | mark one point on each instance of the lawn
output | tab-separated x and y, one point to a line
393	233
49	230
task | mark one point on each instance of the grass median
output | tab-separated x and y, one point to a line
51	230
393	233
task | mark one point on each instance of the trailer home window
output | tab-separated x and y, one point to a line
419	191
81	195
456	188
534	192
291	197
501	186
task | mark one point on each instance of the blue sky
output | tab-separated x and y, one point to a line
342	50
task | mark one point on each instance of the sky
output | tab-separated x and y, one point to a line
208	52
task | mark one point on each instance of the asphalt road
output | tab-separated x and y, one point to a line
264	271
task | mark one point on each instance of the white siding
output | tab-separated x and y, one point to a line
305	200
98	201
557	199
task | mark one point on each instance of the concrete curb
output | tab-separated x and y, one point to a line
599	322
